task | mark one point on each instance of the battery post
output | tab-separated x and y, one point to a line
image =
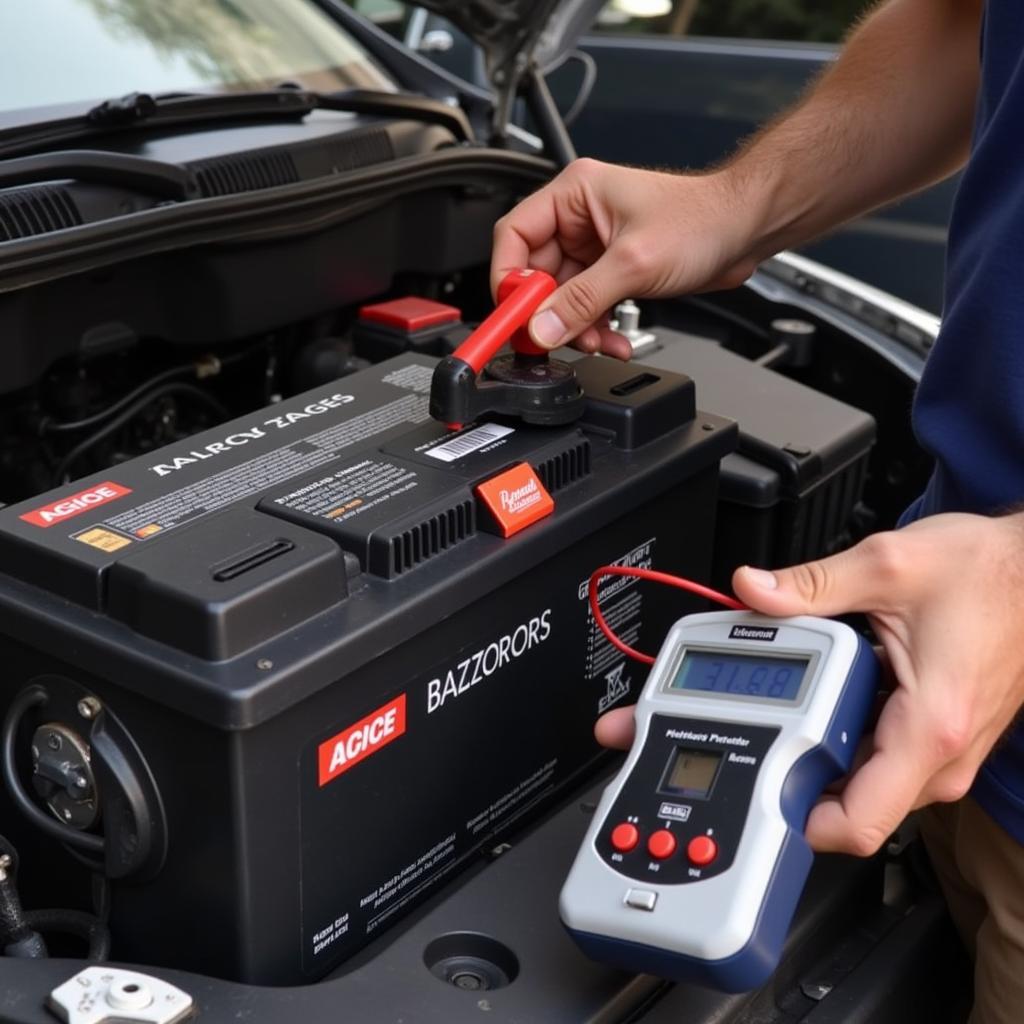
71	766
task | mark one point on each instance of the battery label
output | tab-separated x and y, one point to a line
434	796
359	741
103	539
240	481
469	442
351	491
537	782
482	664
396	892
515	499
75	504
622	606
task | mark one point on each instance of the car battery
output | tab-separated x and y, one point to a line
282	680
789	492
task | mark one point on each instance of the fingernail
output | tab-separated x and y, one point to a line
547	328
761	578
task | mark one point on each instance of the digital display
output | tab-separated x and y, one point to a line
741	675
690	773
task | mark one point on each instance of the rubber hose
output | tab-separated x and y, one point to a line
74	922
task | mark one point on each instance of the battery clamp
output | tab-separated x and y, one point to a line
695	859
527	383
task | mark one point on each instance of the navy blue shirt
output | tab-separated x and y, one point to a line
969	409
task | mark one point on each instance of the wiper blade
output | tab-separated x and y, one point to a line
141	110
169	181
137	107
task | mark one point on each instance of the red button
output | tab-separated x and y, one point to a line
625	837
662	844
702	850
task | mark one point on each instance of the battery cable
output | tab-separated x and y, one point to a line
657	577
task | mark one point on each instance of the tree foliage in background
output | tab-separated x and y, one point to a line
814	20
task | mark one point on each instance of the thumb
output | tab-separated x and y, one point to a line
848	582
578	304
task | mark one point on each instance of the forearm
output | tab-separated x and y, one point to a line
891	116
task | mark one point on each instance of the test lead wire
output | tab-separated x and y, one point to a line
657	577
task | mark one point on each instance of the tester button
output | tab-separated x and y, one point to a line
701	850
625	837
641	899
662	844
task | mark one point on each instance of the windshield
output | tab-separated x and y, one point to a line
66	51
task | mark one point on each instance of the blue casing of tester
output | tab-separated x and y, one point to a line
753	964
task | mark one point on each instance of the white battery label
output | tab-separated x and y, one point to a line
471	441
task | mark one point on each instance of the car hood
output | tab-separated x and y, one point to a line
512	33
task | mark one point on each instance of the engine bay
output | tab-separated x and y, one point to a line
170	314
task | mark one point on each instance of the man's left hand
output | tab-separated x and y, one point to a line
945	596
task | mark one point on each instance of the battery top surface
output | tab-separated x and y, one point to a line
317	521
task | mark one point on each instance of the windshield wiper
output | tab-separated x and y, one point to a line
168	181
141	111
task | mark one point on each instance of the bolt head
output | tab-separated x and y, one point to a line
89	708
264	664
53	741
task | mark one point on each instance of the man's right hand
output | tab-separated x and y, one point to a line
893	114
607	233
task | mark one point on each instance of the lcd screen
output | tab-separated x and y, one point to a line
741	675
690	773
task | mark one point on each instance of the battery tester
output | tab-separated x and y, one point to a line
695	859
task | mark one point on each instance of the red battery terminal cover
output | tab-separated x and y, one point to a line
519	295
410	314
526	384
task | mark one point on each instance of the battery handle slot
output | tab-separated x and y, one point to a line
250	559
634	384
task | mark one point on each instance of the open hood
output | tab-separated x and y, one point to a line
517	34
525	30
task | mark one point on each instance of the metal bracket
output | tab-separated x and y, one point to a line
104	995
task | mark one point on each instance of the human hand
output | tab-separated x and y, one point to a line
607	233
945	596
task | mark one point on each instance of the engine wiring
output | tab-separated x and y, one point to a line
657	577
172	388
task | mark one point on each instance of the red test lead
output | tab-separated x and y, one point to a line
657	577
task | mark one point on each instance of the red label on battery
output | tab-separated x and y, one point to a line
75	504
516	498
356	743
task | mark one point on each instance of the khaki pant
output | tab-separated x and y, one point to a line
981	870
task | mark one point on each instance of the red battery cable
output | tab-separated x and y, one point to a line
658	577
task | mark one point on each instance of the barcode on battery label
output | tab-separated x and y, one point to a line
478	437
